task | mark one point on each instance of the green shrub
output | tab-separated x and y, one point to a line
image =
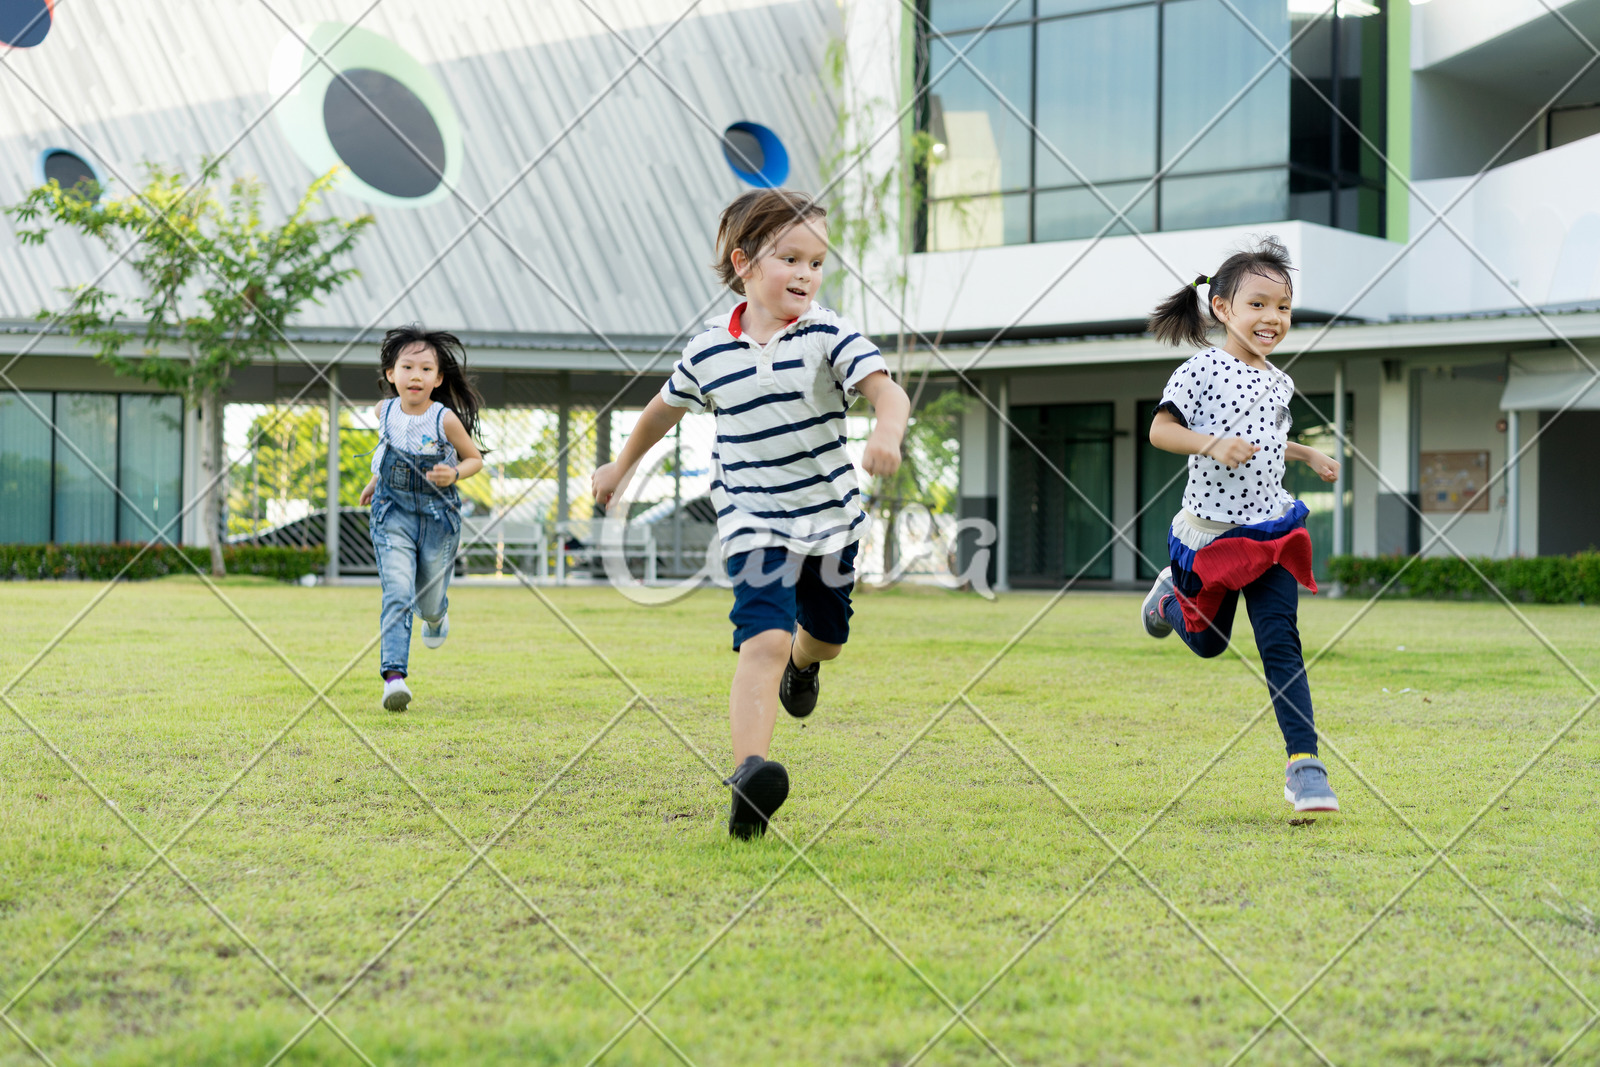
134	562
1533	579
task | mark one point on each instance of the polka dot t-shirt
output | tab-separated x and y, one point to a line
1215	393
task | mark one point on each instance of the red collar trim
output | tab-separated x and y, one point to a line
736	327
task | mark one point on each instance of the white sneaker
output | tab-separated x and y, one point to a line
396	694
433	635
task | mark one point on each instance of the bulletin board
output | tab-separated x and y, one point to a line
1449	479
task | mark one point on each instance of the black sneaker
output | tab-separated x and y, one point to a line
760	786
797	692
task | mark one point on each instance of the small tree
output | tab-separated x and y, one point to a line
219	285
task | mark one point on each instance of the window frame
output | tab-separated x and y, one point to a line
1338	179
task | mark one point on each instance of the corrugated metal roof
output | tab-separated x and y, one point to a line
619	216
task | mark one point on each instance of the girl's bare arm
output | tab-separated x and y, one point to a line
1169	435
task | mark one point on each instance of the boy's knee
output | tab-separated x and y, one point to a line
768	644
821	650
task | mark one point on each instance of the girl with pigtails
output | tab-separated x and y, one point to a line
1240	532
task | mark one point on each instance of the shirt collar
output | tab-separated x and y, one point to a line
733	324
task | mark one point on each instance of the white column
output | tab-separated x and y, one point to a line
563	445
1340	539
1513	485
1394	430
331	519
1002	545
192	528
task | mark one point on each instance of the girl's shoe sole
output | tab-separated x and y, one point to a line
1315	806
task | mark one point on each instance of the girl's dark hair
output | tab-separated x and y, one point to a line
455	391
751	221
1181	320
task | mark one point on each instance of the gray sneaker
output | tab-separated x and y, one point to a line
1305	785
1155	622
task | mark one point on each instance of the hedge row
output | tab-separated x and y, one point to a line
1535	579
103	562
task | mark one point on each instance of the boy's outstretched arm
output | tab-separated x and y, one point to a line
655	422
893	408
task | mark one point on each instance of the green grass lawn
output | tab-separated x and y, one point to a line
958	857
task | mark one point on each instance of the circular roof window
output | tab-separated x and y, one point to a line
403	156
70	170
383	116
25	23
755	154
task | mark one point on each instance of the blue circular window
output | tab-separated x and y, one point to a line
69	170
25	23
755	154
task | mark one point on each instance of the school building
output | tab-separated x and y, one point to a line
548	182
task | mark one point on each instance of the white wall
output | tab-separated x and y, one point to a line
1445	28
1458	127
1536	222
1120	279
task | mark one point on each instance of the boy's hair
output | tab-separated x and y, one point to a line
1180	320
750	223
455	391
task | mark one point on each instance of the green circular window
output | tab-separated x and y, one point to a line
384	116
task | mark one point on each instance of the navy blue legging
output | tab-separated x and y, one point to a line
1273	601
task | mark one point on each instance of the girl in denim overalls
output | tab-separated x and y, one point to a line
425	446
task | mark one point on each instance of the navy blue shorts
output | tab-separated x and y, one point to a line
772	590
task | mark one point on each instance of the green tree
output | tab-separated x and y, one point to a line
218	285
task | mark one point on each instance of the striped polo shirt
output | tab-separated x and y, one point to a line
780	473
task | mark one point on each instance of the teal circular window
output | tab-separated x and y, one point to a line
69	170
384	116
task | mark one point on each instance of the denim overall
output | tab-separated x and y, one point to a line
415	528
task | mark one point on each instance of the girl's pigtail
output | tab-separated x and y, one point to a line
1180	319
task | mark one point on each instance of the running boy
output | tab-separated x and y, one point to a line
1240	531
779	372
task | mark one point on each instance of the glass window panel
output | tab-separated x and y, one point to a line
1209	55
1097	97
984	145
978	222
1568	124
24	469
1064	214
1225	199
1311	199
1361	59
1068	7
1162	479
1311	121
948	15
85	506
1313	430
1361	210
151	429
1059	531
